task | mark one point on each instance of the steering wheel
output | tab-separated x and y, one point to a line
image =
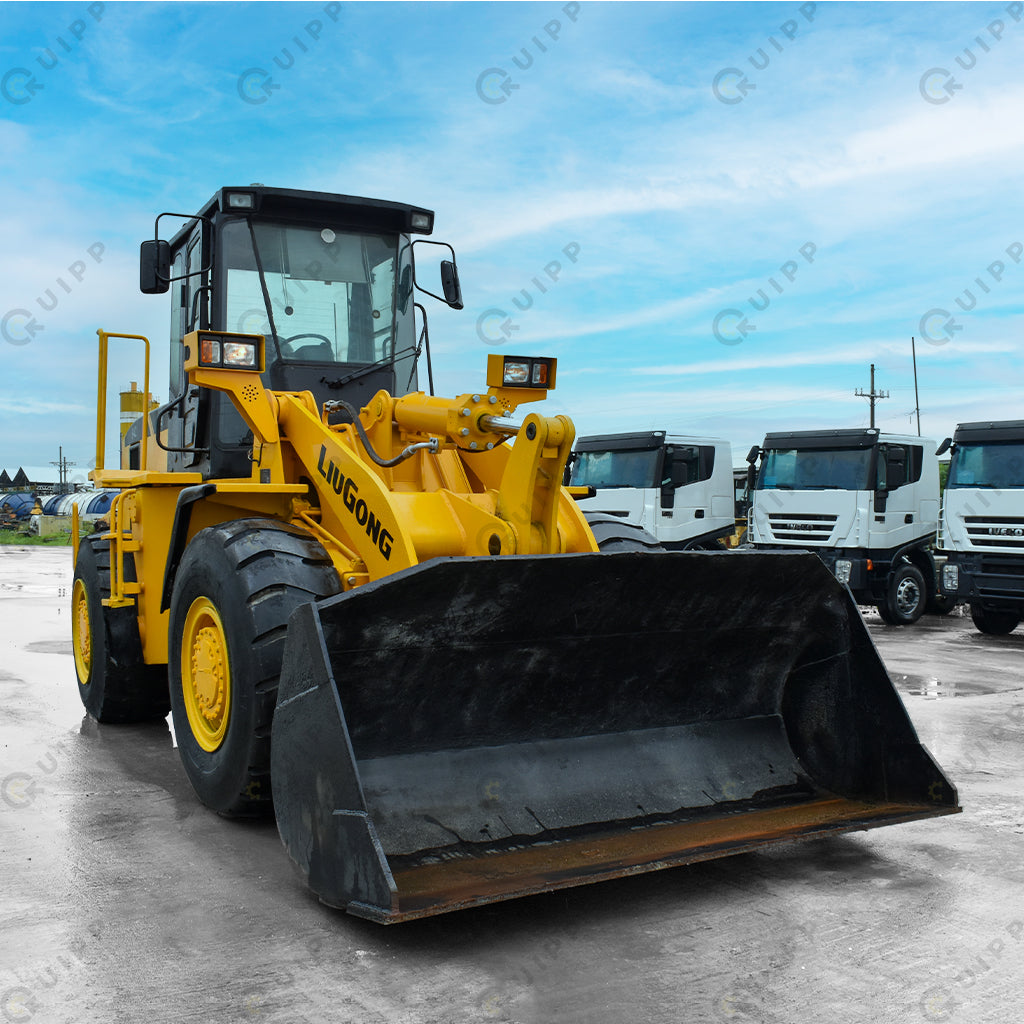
297	337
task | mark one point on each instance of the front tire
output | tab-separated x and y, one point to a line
994	622
615	534
906	598
234	591
115	685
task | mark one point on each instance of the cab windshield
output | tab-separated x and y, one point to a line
987	465
332	292
816	469
615	469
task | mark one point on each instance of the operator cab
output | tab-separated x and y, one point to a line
327	280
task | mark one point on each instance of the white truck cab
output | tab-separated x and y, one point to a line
867	502
679	489
982	523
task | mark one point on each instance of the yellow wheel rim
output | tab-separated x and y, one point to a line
205	674
81	632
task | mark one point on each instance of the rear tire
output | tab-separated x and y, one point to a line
906	598
994	622
234	591
116	686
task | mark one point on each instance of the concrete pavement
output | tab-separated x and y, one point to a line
124	900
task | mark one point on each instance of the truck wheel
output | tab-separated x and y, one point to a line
906	598
234	592
615	534
993	622
114	683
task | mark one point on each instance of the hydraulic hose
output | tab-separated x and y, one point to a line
405	453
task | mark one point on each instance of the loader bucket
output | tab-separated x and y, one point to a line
475	729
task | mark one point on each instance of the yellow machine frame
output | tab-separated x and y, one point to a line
458	491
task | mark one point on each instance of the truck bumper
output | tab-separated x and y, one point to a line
867	585
995	581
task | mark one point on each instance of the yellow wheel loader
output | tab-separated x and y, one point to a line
380	615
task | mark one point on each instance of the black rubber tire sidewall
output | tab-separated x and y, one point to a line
899	618
218	777
993	622
615	534
234	779
122	688
86	570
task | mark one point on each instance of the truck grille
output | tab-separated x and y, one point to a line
815	529
1006	532
1009	565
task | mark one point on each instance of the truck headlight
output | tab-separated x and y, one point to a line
950	577
843	569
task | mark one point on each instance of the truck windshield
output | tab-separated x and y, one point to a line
332	291
987	465
615	469
816	469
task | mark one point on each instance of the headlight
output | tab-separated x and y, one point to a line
521	372
219	350
516	373
843	569
240	354
950	577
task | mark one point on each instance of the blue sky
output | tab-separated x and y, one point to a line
718	215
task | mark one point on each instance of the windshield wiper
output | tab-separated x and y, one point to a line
263	287
340	382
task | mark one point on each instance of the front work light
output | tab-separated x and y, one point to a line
218	350
520	372
240	354
843	569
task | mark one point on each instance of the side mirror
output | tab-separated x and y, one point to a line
567	472
753	454
154	267
944	447
450	284
751	477
680	474
405	289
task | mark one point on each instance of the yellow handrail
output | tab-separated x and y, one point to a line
101	403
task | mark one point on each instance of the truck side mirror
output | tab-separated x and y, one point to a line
450	284
753	454
680	474
567	472
944	447
751	477
154	267
897	472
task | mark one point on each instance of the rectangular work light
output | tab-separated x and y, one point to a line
218	350
520	372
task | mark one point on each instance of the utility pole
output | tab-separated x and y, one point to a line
873	396
917	401
62	469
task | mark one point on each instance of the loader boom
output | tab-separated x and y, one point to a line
419	477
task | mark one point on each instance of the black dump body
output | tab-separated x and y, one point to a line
476	729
